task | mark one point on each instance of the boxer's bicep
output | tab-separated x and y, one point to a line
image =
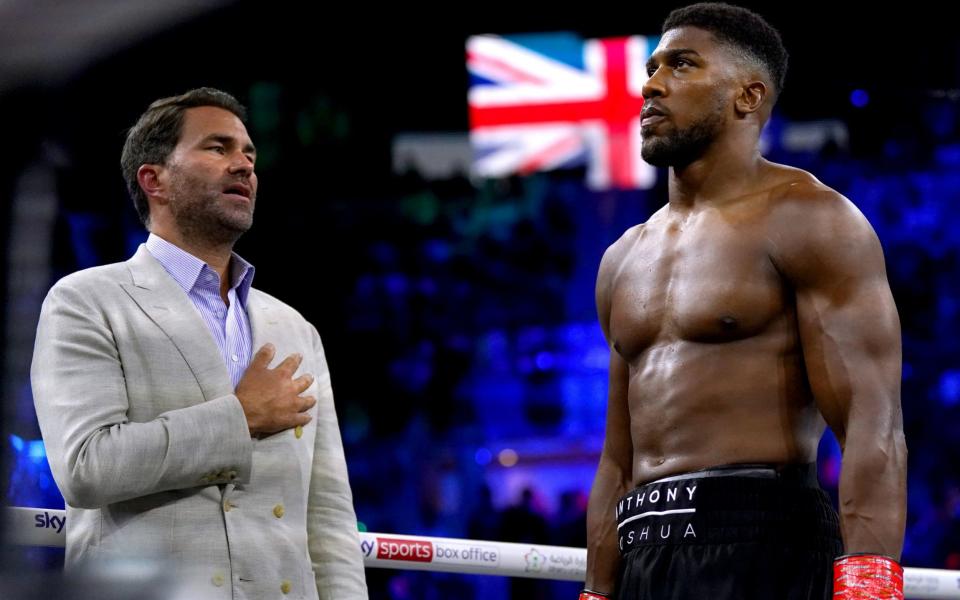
850	337
846	317
618	448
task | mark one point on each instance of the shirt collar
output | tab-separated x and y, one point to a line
186	269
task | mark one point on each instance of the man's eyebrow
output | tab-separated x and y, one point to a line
225	139
669	55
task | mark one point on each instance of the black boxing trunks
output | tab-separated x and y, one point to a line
737	532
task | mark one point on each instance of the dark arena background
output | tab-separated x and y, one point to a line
457	306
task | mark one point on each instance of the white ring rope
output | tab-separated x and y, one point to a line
46	527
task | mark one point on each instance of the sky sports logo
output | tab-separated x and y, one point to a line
48	521
411	550
437	552
474	554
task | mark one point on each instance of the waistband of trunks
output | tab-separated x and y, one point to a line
796	473
728	504
751	487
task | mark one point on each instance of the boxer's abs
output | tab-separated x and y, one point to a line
695	405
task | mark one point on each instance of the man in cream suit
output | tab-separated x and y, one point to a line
169	437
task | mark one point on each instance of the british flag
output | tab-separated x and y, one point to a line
548	101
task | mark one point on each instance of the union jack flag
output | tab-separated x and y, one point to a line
540	102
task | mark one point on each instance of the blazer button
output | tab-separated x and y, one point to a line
217	579
285	586
298	431
228	506
278	511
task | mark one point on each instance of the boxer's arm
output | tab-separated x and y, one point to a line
611	483
850	334
614	473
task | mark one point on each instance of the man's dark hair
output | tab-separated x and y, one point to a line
743	29
157	132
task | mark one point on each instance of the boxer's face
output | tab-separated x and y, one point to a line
687	97
211	184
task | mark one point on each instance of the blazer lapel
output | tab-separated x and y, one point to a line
264	323
167	305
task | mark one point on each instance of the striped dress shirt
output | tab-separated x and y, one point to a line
228	325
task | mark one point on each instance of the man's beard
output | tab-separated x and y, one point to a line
203	216
679	148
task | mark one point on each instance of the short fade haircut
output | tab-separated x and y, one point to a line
157	132
744	30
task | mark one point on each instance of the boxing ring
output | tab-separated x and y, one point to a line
45	527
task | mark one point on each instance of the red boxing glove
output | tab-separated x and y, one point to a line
591	595
867	577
